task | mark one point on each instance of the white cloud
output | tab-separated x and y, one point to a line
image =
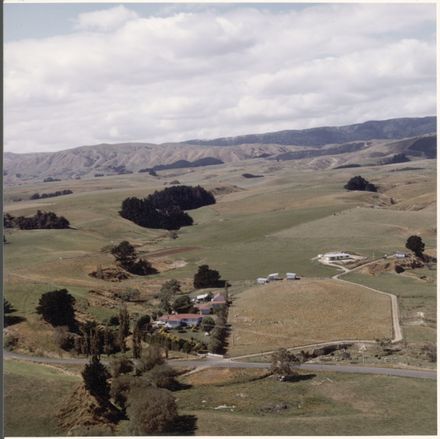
104	20
123	77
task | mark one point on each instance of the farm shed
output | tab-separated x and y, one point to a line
336	256
178	320
204	308
291	276
262	280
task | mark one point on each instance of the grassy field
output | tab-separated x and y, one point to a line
276	224
322	404
288	314
32	395
415	296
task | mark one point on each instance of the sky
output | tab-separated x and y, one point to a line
83	74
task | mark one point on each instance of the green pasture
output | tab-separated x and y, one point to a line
322	404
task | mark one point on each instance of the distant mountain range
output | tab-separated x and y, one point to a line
384	129
374	142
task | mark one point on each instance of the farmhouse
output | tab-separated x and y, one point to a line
400	255
178	320
336	256
204	308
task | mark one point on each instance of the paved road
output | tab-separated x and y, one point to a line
222	362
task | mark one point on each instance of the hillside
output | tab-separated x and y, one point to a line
372	143
386	129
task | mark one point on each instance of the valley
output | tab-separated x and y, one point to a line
278	224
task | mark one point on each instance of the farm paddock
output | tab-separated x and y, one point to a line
288	314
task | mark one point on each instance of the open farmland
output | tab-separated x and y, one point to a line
322	404
295	313
33	394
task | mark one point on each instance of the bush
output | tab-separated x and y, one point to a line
359	183
150	411
63	338
208	324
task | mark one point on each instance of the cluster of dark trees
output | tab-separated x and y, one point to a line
141	392
128	259
207	278
165	209
41	220
359	183
174	343
37	196
51	179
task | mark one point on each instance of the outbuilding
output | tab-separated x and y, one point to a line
291	276
336	256
262	280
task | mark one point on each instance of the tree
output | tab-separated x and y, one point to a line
208	324
124	327
162	376
416	245
95	377
206	278
150	411
151	356
283	363
127	258
120	366
56	307
359	183
171	286
137	345
124	253
182	304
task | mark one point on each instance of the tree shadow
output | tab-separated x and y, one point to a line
184	425
298	378
12	320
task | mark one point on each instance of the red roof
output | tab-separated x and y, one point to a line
178	317
203	306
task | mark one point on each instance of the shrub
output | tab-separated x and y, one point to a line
150	411
95	377
359	183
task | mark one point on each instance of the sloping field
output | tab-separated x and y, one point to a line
295	313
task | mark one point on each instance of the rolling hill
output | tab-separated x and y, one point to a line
370	143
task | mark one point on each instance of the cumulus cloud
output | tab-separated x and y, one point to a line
120	76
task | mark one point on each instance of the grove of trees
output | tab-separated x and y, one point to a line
127	258
359	183
165	209
41	220
37	196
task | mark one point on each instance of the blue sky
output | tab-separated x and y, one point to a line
82	74
29	20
